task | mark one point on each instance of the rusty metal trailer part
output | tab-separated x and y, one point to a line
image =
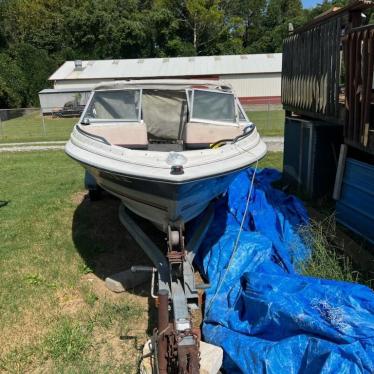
175	341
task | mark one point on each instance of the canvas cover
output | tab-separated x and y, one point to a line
164	113
163	84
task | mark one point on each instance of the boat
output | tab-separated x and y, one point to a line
166	148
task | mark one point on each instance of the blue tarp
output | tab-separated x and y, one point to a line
265	316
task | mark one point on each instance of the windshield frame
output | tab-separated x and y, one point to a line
112	120
243	112
189	91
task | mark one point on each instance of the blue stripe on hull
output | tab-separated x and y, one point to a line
163	202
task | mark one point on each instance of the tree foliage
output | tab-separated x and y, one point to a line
12	83
36	36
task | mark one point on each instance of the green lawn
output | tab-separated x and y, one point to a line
29	128
56	248
55	314
272	160
269	123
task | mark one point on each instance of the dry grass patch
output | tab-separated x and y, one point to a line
328	259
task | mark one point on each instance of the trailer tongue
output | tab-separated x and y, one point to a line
175	343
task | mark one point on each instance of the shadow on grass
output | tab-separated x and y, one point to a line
3	203
107	248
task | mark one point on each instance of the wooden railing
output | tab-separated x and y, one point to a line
313	77
311	69
359	103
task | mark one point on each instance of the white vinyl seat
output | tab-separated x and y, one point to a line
200	135
125	134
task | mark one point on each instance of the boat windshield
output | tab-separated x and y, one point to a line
114	105
212	106
164	109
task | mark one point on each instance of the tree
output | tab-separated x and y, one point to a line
38	35
279	13
35	65
325	6
3	42
251	14
110	29
36	22
202	17
165	33
204	25
12	83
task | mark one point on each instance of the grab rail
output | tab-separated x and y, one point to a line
96	137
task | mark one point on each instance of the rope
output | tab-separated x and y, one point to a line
236	241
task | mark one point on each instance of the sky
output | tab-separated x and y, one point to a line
310	3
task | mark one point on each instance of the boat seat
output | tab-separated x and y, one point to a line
125	134
201	135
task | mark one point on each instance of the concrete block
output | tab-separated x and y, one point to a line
147	363
125	280
211	358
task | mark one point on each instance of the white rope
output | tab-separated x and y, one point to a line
236	241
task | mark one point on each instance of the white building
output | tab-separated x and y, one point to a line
255	78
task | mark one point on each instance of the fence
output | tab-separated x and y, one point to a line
29	125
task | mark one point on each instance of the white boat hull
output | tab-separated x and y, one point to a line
145	184
161	202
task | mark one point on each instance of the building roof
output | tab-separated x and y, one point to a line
170	67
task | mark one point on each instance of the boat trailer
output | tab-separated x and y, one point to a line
175	342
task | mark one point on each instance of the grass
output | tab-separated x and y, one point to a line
327	260
55	313
29	127
269	123
68	340
272	160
